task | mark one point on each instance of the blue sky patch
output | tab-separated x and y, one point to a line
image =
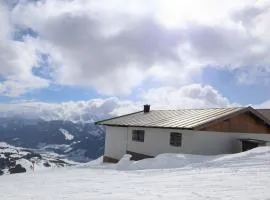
225	81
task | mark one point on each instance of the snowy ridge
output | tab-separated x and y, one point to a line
53	147
67	135
23	160
61	137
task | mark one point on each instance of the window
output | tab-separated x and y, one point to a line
138	135
176	139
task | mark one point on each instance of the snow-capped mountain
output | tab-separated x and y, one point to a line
18	160
78	141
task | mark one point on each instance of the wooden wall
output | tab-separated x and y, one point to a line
243	123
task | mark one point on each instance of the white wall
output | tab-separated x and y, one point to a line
115	142
157	141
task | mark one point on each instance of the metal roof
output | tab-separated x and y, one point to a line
183	119
265	112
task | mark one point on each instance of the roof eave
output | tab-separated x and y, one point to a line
261	116
140	126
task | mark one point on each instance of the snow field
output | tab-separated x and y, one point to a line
169	176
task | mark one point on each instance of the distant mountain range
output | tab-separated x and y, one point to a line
18	160
78	141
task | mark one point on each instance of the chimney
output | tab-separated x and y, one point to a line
146	108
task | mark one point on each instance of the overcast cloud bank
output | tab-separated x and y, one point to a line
118	47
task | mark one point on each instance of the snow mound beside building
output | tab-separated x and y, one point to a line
168	161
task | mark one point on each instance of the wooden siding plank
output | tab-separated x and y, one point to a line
243	123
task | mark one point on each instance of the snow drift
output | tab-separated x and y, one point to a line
167	161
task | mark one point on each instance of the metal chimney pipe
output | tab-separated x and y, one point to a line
146	108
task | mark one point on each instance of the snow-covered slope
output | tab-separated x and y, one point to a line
67	135
238	176
78	141
18	160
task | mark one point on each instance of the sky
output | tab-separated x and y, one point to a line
65	57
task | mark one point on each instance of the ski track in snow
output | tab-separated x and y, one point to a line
238	176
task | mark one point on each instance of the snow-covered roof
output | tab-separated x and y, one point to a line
183	119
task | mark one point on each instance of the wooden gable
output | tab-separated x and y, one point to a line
244	123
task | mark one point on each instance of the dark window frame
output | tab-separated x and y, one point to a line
138	135
176	139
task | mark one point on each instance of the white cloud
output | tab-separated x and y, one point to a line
189	96
263	105
87	55
17	59
115	47
71	110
